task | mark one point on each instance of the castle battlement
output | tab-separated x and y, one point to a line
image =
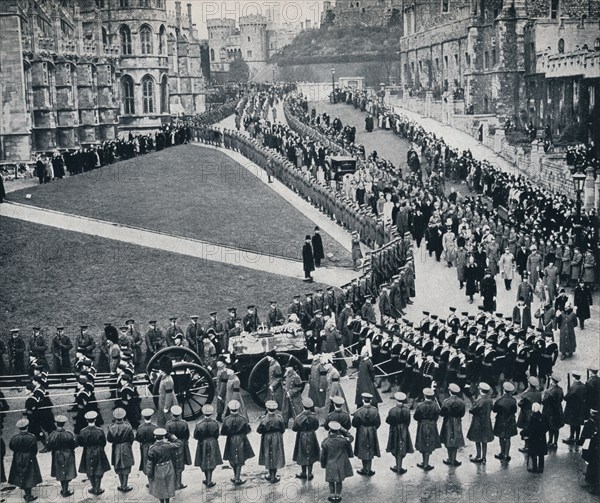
253	20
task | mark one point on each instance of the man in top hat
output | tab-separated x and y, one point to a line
62	444
94	462
208	455
428	439
453	410
145	436
24	469
180	429
251	321
505	426
552	399
575	408
16	353
367	421
306	448
159	469
399	441
336	451
237	447
530	396
308	261
481	430
120	435
272	455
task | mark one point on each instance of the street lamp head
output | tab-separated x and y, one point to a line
578	180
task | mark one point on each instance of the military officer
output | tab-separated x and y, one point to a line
306	448
145	436
367	421
86	342
154	339
274	316
38	347
208	455
237	447
16	353
94	462
121	436
62	444
24	469
180	429
272	455
452	410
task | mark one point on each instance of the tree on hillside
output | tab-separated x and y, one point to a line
239	71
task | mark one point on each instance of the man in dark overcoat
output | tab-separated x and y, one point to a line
365	382
180	429
237	447
367	421
336	451
428	439
120	435
272	455
317	247
94	462
24	469
592	389
308	261
575	408
62	444
306	448
399	441
208	455
451	434
481	431
145	436
552	399
505	426
530	396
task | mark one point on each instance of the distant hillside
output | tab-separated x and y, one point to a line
341	45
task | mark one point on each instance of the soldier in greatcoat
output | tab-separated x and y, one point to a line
272	455
552	399
367	421
275	379
292	398
306	448
365	382
94	462
339	414
530	395
575	408
237	447
160	472
336	451
145	436
451	434
428	439
481	431
232	392
180	429
120	435
16	353
221	391
62	444
208	455
399	441
24	469
166	391
505	426
536	438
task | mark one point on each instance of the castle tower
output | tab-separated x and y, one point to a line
254	42
220	33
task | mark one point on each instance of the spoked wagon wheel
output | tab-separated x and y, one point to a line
194	387
258	382
176	354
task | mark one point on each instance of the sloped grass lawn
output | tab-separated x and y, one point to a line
187	191
51	277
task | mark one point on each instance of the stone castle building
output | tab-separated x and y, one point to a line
78	72
361	12
527	60
254	40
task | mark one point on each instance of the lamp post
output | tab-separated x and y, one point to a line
578	183
333	100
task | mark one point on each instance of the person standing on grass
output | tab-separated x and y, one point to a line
308	260
356	251
317	246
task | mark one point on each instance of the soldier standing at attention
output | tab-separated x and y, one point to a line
237	447
306	448
16	353
272	455
120	435
399	441
505	426
180	429
62	444
159	469
481	431
336	451
24	470
155	340
145	436
366	421
94	462
453	410
208	455
428	439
